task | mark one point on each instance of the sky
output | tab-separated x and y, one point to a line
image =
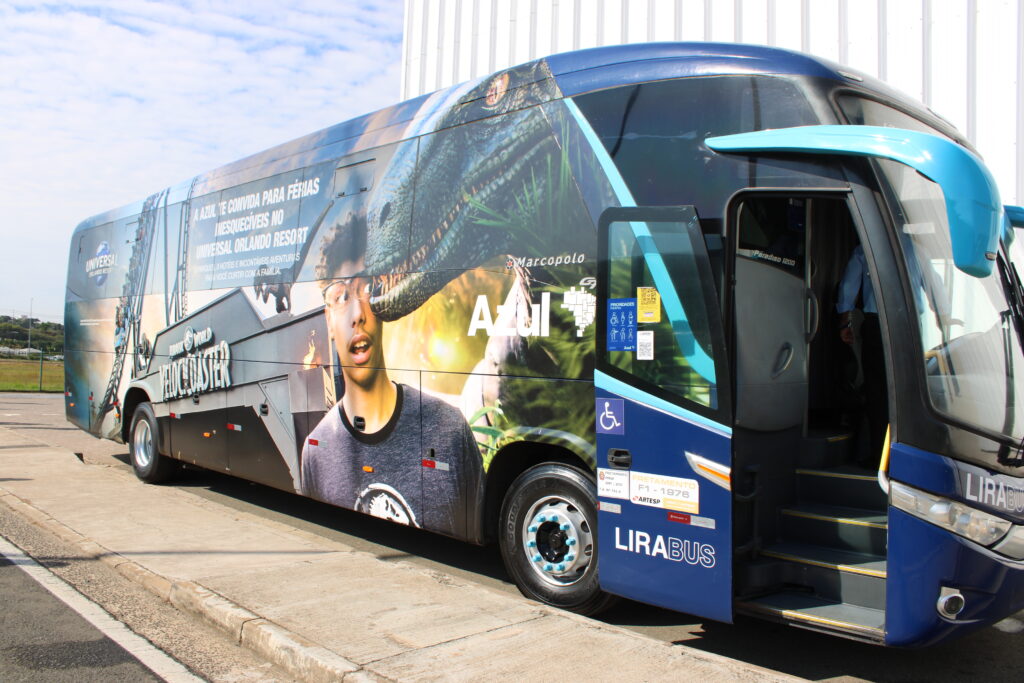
103	103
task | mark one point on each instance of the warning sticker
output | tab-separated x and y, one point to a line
648	305
669	493
612	483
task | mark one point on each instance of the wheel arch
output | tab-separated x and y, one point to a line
131	401
511	461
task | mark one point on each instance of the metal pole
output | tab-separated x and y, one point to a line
926	41
844	35
30	324
1019	199
972	70
40	368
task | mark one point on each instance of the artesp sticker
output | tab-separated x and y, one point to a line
669	493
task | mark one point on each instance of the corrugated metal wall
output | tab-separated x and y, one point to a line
964	58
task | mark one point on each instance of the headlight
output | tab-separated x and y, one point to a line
980	527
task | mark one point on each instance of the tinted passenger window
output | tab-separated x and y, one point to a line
772	230
362	224
669	350
655	132
860	111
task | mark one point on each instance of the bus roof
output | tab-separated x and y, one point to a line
575	72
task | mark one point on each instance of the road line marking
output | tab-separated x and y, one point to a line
153	658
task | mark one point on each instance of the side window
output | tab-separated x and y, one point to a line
107	254
163	250
654	132
202	241
92	262
861	111
362	224
773	230
499	187
662	328
127	276
353	178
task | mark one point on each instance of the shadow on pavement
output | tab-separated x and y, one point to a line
399	542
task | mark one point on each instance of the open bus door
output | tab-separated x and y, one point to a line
662	403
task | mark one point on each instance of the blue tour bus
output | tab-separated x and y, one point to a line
721	328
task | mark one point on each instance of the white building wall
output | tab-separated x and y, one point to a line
963	58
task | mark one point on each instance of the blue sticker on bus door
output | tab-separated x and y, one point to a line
621	324
611	416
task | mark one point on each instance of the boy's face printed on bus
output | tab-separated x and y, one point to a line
356	331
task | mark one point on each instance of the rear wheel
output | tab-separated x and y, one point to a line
548	538
143	446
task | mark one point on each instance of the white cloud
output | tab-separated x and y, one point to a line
105	102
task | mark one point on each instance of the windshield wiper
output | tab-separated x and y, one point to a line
1015	298
1014	294
1009	409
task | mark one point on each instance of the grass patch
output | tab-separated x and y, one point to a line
23	375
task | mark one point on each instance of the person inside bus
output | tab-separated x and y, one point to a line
857	282
366	453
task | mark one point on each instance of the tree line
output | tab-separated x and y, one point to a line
46	336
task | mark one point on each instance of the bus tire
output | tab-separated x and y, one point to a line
144	449
548	538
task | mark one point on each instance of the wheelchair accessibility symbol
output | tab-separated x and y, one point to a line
611	416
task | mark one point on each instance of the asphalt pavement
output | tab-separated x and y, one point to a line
42	639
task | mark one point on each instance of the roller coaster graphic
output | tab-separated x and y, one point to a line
129	340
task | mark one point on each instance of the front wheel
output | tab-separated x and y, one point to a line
548	538
143	446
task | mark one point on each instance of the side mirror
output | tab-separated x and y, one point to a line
973	208
1015	214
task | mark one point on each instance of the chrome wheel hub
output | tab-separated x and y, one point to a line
558	540
142	444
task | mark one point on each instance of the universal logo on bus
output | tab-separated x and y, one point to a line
197	365
100	265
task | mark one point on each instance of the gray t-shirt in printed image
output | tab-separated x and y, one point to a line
392	473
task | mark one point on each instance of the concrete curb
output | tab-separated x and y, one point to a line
298	656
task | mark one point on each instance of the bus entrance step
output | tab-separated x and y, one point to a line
844	528
801	609
829	558
834	575
845	485
822	448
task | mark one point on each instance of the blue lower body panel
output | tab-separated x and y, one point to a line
922	559
664	530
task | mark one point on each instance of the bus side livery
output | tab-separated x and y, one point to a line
596	307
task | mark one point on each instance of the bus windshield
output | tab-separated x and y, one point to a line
972	351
